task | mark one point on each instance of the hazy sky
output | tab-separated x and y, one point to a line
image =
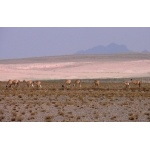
29	42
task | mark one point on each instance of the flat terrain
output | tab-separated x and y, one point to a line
76	67
111	101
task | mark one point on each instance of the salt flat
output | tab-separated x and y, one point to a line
76	66
111	101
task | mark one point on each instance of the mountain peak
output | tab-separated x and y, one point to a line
112	44
112	48
145	51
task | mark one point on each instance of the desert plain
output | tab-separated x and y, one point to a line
111	101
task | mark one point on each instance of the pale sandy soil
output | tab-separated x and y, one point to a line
76	66
111	101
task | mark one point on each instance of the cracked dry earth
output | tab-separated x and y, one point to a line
110	102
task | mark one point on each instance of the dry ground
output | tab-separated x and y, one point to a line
111	101
76	67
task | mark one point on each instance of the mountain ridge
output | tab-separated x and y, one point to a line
111	48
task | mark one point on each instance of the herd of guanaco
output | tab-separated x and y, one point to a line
67	83
29	83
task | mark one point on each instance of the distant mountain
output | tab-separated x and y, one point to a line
109	49
145	51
